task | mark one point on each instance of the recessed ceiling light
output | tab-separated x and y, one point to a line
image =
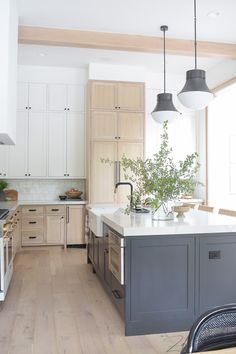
213	14
42	54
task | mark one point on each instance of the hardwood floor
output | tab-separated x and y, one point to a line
56	305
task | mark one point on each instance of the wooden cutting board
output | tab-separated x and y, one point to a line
11	194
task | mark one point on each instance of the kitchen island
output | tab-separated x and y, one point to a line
173	270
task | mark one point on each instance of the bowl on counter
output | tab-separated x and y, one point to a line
62	197
180	210
74	194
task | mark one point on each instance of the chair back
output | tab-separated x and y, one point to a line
227	212
206	208
215	329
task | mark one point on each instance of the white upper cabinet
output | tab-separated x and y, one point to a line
3	160
75	145
66	97
32	97
75	95
57	145
57	97
17	165
37	153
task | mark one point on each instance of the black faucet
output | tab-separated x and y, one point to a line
131	190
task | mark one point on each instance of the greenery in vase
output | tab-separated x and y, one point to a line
160	179
3	185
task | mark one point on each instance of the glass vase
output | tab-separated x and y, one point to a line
164	212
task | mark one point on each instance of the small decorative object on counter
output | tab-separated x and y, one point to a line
11	195
3	185
74	193
180	210
62	197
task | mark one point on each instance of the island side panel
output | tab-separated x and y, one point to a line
217	268
159	273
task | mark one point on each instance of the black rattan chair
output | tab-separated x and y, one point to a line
215	329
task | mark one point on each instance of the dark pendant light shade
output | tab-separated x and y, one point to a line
165	109
195	94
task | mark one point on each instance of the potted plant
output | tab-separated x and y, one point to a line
159	180
3	185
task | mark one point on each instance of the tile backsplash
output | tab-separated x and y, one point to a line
36	189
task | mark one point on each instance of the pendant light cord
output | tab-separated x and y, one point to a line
195	32
164	52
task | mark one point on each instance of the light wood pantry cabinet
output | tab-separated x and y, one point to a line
116	121
116	95
75	225
52	225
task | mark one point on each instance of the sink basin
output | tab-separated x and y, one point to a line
95	222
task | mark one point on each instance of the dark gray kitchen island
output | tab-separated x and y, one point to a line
173	270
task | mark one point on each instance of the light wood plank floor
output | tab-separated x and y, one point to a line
55	305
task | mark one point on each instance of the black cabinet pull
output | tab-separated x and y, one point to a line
32	237
32	209
32	222
116	294
54	209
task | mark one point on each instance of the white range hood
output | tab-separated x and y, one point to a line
8	70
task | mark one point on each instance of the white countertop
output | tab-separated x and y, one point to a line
194	222
51	202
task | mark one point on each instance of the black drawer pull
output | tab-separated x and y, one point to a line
32	209
32	237
214	255
54	209
116	294
32	222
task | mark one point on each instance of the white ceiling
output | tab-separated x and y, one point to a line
134	16
126	16
81	57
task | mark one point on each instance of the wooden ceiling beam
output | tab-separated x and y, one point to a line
122	42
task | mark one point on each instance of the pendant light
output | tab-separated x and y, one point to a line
195	94
165	109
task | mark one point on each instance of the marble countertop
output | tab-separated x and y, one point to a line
51	202
195	222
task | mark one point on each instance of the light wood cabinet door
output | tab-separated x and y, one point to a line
130	150
75	224
130	126
103	95
17	164
55	229
102	175
57	97
57	144
130	96
37	152
75	95
103	125
75	149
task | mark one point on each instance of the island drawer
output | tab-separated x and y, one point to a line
34	237
55	209
118	295
32	209
35	222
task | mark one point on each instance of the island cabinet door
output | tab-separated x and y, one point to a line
217	271
159	280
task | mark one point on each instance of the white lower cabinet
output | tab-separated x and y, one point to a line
55	229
